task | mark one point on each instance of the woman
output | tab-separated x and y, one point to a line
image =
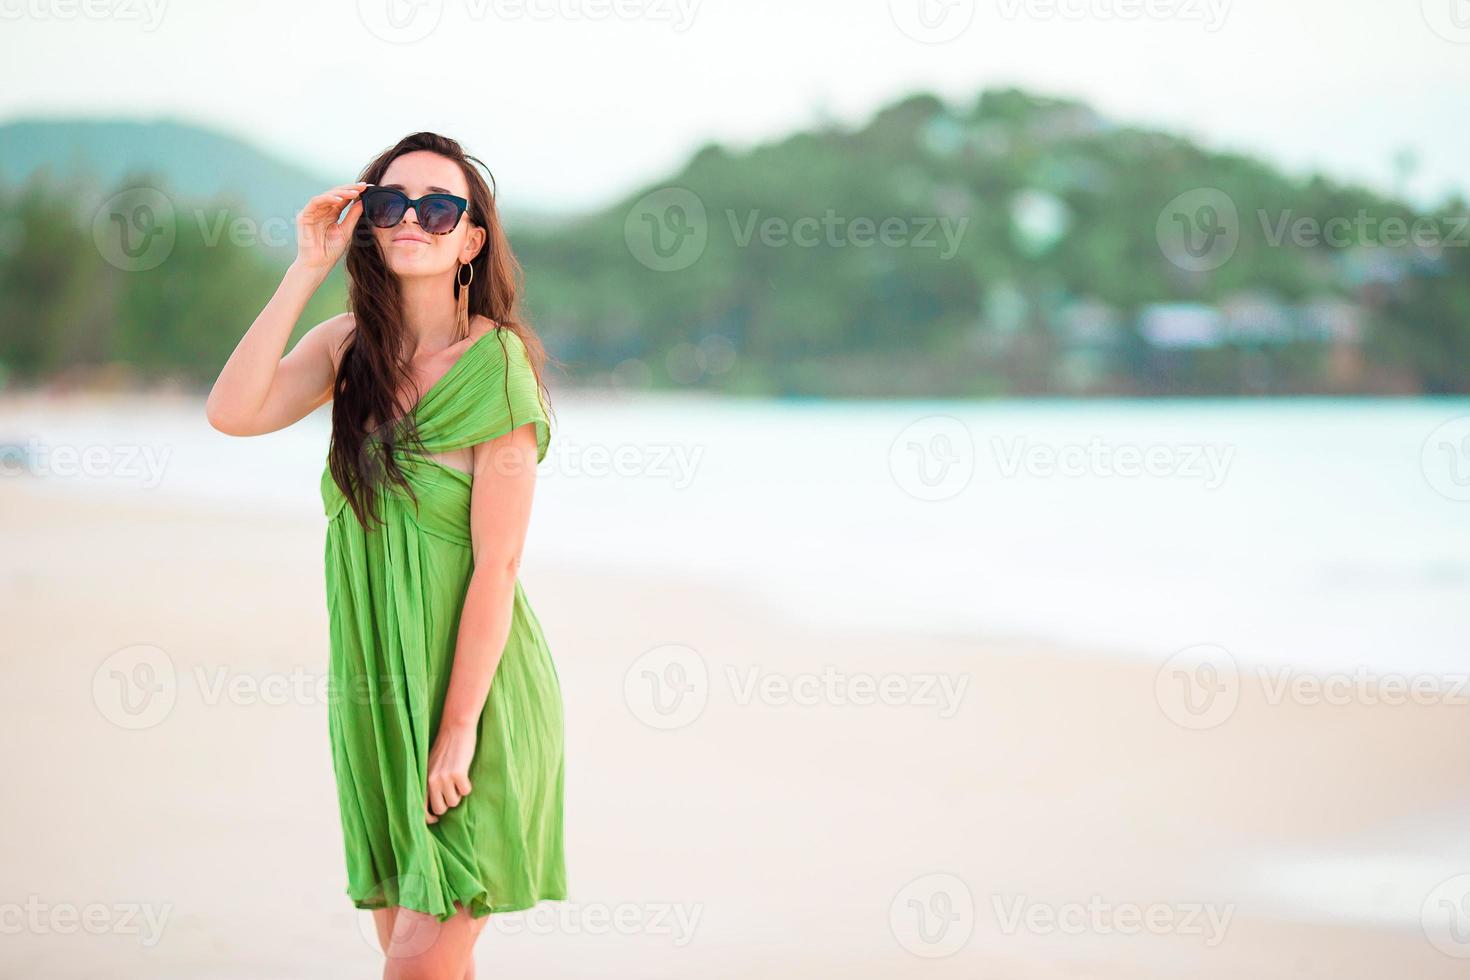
446	715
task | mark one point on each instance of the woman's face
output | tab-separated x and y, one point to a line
409	250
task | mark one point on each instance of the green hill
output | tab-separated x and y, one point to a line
190	162
1014	245
1065	269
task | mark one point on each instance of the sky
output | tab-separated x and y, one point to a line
573	103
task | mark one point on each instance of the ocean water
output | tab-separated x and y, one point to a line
1320	535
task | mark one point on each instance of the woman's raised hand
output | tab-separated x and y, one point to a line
320	237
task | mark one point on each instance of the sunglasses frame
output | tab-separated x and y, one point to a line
462	205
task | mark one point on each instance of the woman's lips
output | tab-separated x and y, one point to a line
409	241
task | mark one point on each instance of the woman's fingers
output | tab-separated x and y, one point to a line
317	211
445	791
448	792
326	205
349	219
344	190
333	200
326	223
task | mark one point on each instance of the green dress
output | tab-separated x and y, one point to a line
394	596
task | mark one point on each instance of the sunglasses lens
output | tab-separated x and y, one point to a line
384	208
437	216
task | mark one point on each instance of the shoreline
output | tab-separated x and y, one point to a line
1391	686
52	393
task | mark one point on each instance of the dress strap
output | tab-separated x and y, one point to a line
484	398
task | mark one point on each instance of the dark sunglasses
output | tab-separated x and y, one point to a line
438	214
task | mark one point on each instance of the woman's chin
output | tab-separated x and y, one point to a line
406	263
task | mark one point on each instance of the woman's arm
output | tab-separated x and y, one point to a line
500	512
258	390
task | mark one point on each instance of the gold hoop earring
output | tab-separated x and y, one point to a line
463	306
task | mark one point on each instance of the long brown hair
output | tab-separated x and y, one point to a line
374	366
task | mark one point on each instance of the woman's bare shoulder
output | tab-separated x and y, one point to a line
337	332
480	325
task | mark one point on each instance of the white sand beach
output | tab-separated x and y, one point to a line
193	833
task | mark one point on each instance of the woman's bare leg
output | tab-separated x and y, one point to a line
477	926
420	947
383	920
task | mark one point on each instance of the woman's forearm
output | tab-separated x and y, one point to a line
245	380
484	628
